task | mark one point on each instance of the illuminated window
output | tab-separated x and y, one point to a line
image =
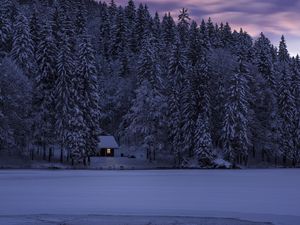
108	151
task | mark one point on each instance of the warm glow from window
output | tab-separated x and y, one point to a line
108	151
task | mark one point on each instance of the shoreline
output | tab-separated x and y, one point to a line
97	219
50	168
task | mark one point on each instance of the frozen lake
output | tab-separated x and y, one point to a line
259	195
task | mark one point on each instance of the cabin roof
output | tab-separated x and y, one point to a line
107	142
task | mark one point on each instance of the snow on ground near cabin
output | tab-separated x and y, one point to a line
256	195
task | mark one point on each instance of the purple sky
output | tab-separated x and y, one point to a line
273	17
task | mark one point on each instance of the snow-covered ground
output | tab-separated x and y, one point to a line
255	195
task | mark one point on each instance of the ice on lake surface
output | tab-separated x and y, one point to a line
255	195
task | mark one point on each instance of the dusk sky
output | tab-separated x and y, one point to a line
273	17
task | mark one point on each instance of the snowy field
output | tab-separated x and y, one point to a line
204	197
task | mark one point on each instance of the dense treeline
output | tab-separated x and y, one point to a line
73	69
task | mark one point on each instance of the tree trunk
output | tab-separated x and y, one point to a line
191	153
32	154
68	155
150	155
294	162
44	151
39	151
284	160
268	157
61	155
50	154
234	165
263	155
246	160
253	152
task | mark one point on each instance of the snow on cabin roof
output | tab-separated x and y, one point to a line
107	142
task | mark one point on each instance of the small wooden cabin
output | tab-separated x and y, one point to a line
107	146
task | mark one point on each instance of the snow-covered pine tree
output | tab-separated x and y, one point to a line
86	84
226	35
283	54
5	29
286	102
189	107
130	15
35	30
287	112
44	85
142	25
75	137
176	79
183	26
8	8
57	18
5	132
211	32
68	29
201	89
65	5
125	63
144	121
105	33
266	127
296	80
6	138
220	68
235	126
263	60
80	21
204	36
148	65
112	9
22	50
295	154
202	84
218	37
200	80
156	29
15	107
168	31
203	141
242	46
118	35
64	93
194	44
199	43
